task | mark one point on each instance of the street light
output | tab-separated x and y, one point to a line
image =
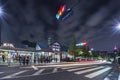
118	27
1	12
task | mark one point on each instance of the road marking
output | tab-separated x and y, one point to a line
55	70
92	75
69	67
15	74
81	68
119	77
108	77
72	67
35	68
80	72
39	72
1	72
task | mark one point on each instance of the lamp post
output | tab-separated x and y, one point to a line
1	15
115	52
116	29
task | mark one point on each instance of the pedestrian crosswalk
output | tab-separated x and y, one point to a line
54	70
39	72
15	74
97	72
23	73
1	72
88	71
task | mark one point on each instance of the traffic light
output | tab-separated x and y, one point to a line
82	44
60	11
67	14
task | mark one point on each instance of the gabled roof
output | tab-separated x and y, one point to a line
42	45
55	43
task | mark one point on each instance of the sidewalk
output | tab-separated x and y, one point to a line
114	74
16	64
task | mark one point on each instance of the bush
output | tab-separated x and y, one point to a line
99	58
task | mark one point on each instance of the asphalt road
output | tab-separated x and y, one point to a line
76	72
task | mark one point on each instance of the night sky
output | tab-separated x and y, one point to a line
93	21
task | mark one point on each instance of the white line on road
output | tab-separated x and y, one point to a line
81	68
39	72
15	74
92	75
1	72
108	77
35	68
69	67
80	72
55	70
119	77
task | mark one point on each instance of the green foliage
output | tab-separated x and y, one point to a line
72	47
78	51
29	43
99	58
86	51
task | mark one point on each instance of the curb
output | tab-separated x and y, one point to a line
114	74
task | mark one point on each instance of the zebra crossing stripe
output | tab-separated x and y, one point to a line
80	68
109	76
106	79
15	74
54	70
39	72
68	67
92	75
81	72
1	72
35	68
119	77
73	67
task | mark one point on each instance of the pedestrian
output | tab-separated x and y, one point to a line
3	58
35	60
20	59
56	59
24	59
27	60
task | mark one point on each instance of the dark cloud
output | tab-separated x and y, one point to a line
35	20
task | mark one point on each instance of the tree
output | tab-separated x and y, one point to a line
29	43
78	51
72	48
86	51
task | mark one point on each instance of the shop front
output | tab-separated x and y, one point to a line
12	56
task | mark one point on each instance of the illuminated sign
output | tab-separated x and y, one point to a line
7	45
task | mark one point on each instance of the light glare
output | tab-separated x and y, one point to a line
118	26
1	11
